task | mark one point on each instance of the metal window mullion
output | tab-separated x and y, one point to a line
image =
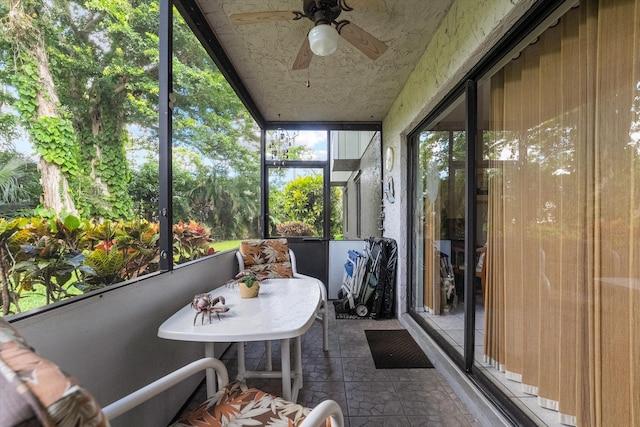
326	191
471	130
264	188
165	195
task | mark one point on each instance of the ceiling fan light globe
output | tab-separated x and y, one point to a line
323	40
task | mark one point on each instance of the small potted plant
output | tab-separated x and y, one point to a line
248	283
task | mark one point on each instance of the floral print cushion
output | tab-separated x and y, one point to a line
35	392
268	259
239	405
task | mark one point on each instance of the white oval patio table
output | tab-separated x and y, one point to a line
285	309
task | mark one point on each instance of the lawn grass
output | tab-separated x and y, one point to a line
226	245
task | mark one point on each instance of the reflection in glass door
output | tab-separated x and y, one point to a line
439	230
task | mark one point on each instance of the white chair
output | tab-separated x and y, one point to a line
37	392
264	407
322	314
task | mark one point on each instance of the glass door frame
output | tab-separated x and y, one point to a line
532	23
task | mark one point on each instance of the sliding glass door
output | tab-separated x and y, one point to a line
438	225
557	205
563	302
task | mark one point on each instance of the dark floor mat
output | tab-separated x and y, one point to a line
395	349
343	316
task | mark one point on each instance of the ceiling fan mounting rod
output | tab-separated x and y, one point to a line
322	11
322	17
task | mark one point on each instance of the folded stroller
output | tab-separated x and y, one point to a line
354	271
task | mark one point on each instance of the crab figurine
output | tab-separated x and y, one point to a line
203	303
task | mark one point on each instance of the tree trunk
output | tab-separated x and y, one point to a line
25	36
55	185
6	300
55	188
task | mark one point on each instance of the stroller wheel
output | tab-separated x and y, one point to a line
362	310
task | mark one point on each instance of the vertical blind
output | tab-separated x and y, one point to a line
562	301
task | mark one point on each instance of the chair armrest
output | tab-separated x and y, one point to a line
140	396
324	410
240	261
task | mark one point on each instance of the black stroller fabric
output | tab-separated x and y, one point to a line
383	301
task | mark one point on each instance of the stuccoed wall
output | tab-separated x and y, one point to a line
350	207
370	194
467	32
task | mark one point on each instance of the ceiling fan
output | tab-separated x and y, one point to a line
323	37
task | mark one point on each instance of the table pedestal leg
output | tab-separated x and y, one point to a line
267	351
210	372
286	369
242	369
297	369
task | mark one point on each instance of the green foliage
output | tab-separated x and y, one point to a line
64	255
144	190
336	215
294	228
191	241
249	278
55	140
299	207
303	201
52	255
227	202
107	265
19	184
103	58
53	137
9	243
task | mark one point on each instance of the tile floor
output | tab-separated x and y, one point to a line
347	374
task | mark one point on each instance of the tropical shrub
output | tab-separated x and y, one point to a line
57	257
294	228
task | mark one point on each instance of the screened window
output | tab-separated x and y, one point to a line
81	103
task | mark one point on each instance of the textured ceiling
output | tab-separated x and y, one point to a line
346	86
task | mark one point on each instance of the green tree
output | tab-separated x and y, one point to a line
302	201
86	71
24	29
228	204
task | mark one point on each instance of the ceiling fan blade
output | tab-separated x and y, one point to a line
361	40
304	56
260	17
